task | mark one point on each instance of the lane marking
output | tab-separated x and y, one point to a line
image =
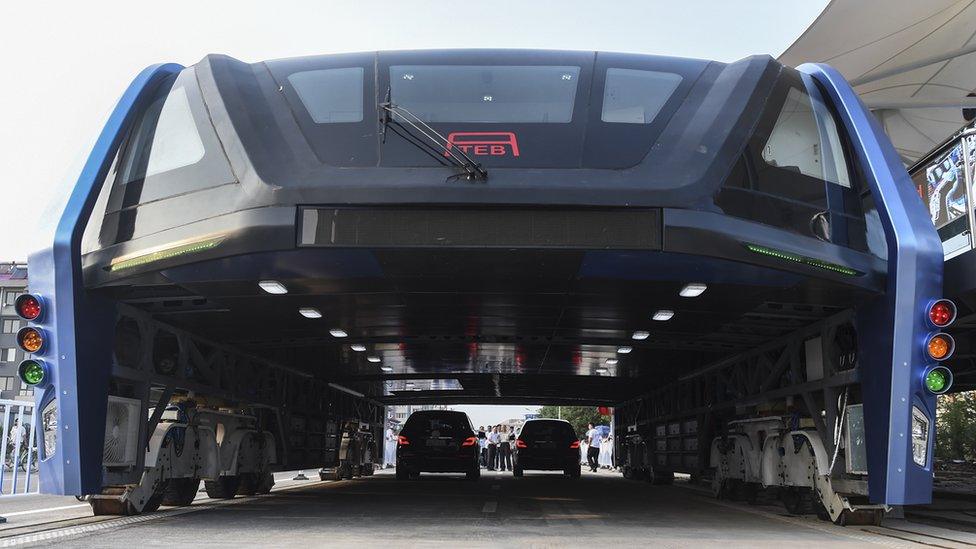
490	507
48	510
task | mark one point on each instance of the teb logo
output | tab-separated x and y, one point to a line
483	143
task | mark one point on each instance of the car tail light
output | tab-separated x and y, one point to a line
519	443
30	339
574	445
403	441
470	441
28	307
942	313
940	346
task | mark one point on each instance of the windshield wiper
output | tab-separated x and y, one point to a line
472	170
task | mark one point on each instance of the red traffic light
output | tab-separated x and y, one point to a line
28	306
604	410
942	313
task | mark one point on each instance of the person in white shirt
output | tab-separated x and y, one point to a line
493	440
593	440
606	452
389	448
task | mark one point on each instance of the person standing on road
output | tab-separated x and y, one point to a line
389	448
593	440
505	450
493	439
483	446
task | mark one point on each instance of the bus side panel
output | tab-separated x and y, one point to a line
79	350
892	331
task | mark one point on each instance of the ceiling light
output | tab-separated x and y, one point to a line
310	312
601	370
358	347
373	358
386	368
611	361
663	315
693	289
338	332
624	350
641	335
273	287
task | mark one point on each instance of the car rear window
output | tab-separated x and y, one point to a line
547	430
437	425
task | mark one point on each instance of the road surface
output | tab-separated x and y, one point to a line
539	510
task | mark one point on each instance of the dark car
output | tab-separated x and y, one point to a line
437	441
548	445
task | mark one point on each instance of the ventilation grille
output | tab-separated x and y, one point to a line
121	432
481	228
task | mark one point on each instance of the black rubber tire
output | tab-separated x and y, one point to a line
798	501
474	474
155	500
574	472
518	472
248	486
660	478
224	487
265	483
401	473
180	492
413	475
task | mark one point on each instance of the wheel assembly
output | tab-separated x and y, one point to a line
224	487
180	492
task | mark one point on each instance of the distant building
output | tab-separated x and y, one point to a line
13	282
399	414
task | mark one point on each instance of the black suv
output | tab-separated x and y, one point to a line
437	441
549	445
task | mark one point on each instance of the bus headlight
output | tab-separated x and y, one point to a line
920	437
49	428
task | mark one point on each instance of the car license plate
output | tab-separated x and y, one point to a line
436	442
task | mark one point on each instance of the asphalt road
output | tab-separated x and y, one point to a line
541	510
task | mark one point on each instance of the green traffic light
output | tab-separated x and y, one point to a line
938	380
31	372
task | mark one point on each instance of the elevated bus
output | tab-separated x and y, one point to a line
257	258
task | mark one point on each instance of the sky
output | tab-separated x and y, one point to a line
65	64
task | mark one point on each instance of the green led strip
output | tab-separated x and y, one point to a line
166	253
780	254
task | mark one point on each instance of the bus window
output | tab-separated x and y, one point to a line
634	96
795	172
331	96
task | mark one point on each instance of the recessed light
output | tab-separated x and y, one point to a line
373	358
611	361
338	332
310	312
358	347
624	350
386	368
602	370
663	315
641	335
273	287
693	289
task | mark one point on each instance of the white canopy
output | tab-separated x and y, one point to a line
913	62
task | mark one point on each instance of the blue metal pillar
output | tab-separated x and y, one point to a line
892	331
80	324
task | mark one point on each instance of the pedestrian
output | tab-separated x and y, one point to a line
483	446
493	440
593	440
505	450
606	452
389	447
